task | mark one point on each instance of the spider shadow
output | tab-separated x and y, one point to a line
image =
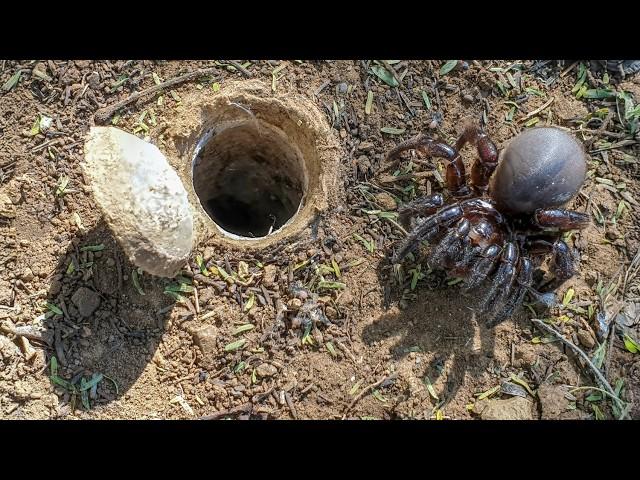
106	326
440	326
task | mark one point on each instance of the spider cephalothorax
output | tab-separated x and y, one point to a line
506	217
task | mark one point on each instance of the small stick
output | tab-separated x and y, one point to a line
292	408
603	381
231	411
537	110
569	68
104	114
195	297
243	70
362	394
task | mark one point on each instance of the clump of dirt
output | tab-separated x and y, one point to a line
298	325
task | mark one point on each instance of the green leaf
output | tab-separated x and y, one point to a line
392	130
12	82
136	281
599	93
235	345
582	76
331	349
630	344
62	382
176	296
378	396
62	186
215	87
249	305
54	366
488	393
240	367
332	285
368	245
522	383
336	268
201	265
54	308
367	106
425	98
598	413
84	396
355	387
181	287
94	381
599	355
430	388
243	328
384	75
447	67
568	297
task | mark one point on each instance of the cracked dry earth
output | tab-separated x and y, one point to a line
266	339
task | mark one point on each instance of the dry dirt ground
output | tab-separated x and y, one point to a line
84	336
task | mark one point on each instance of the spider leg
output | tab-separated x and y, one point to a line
469	255
563	265
501	286
455	173
451	245
426	230
562	220
524	280
420	206
487	161
483	268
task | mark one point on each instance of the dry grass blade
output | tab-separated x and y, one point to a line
598	375
102	115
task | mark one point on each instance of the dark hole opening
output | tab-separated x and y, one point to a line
249	179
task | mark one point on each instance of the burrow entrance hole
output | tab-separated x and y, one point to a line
250	178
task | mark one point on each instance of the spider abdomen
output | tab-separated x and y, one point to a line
542	167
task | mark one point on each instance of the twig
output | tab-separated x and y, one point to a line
362	394
244	408
102	115
243	70
603	381
569	68
537	110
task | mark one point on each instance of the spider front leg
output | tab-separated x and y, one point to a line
420	206
427	230
562	266
487	161
562	221
451	246
455	173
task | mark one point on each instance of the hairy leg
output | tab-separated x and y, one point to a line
450	247
487	161
420	206
483	267
426	230
456	181
523	281
503	280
